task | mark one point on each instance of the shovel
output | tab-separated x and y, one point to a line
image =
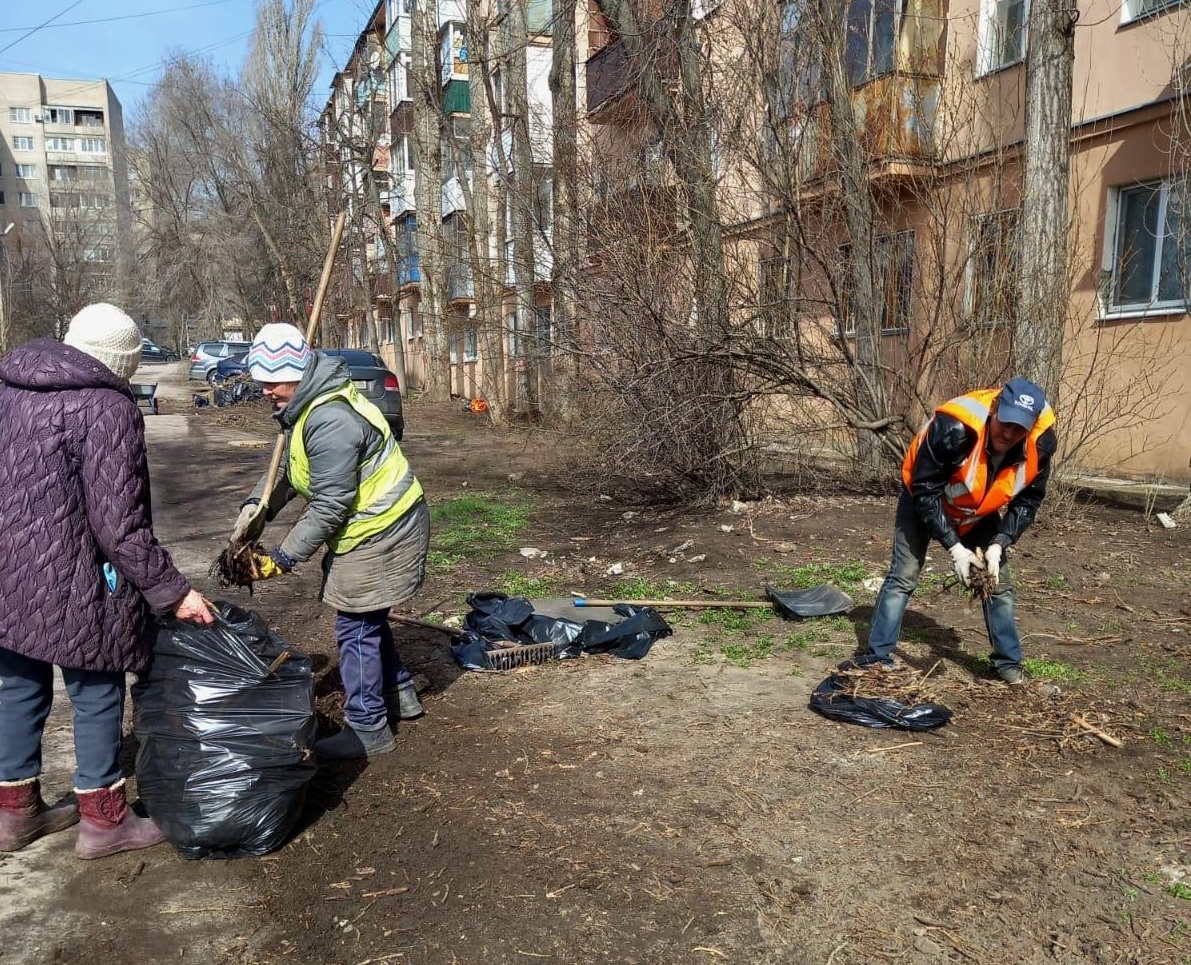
256	525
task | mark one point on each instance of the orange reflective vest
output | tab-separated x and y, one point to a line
970	494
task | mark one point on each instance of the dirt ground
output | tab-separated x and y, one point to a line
687	807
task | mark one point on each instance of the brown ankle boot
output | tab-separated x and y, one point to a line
109	827
25	817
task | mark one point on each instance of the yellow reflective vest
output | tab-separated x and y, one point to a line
388	487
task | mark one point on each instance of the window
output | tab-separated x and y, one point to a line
1002	34
871	39
542	336
1135	9
22	143
387	330
470	351
27	171
59	115
403	153
27	199
20	115
994	268
59	143
1145	258
92	145
514	348
61	172
1	197
893	278
92	172
413	324
543	213
65	199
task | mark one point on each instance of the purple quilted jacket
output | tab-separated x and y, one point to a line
74	495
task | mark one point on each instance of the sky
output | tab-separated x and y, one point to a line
125	41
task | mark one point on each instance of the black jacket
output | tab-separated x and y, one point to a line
947	444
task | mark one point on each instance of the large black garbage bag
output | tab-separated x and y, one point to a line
831	699
226	746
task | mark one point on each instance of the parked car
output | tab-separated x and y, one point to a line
368	372
206	354
152	352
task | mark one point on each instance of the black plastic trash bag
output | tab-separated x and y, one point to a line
226	746
818	601
832	700
498	619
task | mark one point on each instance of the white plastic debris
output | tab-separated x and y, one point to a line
873	584
630	514
532	553
726	527
1166	521
616	569
698	559
683	547
738	507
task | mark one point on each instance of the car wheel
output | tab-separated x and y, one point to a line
213	377
398	427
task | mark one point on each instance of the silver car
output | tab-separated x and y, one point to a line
207	354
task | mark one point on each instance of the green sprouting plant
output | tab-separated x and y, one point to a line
1160	737
1179	889
518	584
1184	766
847	576
640	588
1056	581
1045	669
1130	893
476	525
733	621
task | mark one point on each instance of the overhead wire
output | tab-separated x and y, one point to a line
125	16
40	26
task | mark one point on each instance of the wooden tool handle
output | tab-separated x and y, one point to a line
316	311
725	604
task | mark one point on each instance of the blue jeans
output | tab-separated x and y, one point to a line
910	539
26	694
368	665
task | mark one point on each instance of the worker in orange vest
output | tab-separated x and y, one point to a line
974	476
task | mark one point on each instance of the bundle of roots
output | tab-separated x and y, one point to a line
236	566
983	583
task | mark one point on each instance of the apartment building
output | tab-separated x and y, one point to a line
377	79
63	170
938	88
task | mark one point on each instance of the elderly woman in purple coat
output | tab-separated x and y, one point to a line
80	571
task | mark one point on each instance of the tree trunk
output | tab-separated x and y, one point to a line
565	237
426	81
1045	285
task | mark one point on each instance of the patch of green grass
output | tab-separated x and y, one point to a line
640	588
1179	889
518	584
1052	670
476	526
1130	894
733	621
1056	581
439	562
1184	766
847	576
1160	737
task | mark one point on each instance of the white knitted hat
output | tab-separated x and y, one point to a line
108	335
279	353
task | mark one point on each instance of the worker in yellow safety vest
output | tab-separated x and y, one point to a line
364	503
973	477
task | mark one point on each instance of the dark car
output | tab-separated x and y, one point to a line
152	352
374	381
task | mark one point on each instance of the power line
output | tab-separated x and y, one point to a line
127	16
41	26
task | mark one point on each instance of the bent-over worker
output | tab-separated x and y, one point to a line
973	477
365	504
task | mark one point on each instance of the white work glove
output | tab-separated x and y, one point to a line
992	561
248	513
962	559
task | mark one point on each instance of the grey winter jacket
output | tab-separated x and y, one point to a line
385	569
74	495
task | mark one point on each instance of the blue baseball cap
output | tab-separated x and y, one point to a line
1021	402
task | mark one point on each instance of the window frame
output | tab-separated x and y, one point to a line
22	142
973	286
1113	262
20	115
1130	13
870	71
27	199
990	36
27	172
881	275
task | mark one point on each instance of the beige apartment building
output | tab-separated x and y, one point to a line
63	170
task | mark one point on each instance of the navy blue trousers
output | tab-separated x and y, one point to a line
368	665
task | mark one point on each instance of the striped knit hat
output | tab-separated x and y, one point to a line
279	353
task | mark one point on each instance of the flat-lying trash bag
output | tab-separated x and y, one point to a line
496	621
832	699
818	601
226	745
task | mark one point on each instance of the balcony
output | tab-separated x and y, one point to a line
459	283
898	122
612	79
409	272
